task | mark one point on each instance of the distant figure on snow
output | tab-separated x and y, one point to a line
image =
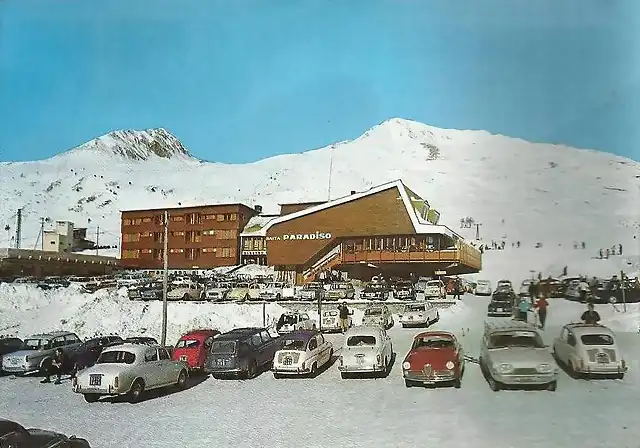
584	289
619	249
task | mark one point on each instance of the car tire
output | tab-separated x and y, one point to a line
314	370
91	398
181	383
620	376
278	297
493	384
344	375
246	298
136	392
408	383
552	386
457	383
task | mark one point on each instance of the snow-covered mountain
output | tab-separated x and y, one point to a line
516	190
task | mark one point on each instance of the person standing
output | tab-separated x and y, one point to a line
591	316
584	289
541	305
344	316
523	309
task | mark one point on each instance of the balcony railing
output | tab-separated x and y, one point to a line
461	255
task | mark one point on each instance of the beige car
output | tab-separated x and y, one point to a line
244	291
187	291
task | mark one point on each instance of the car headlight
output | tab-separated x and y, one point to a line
544	368
504	368
450	365
406	365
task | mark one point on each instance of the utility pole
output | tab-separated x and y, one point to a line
330	172
165	278
42	234
18	228
478	231
7	228
97	239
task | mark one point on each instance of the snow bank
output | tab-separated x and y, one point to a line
25	309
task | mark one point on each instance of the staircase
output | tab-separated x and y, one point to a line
333	258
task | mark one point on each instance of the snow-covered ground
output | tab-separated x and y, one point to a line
329	411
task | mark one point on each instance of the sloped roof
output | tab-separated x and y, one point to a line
256	224
420	225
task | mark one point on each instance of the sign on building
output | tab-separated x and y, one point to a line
301	236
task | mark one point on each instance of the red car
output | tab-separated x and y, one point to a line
192	348
435	357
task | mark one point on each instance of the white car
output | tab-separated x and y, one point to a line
589	350
435	289
420	314
303	353
365	350
217	291
340	291
188	291
311	291
379	315
273	291
294	320
330	321
483	288
130	370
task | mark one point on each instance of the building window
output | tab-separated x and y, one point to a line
232	217
177	233
220	217
194	218
226	234
176	251
146	251
258	244
158	254
146	234
146	220
192	253
209	232
136	221
207	250
209	217
130	237
158	237
158	220
131	253
126	222
247	244
226	252
177	218
193	237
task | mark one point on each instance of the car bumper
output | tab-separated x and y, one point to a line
328	328
602	369
409	322
435	377
523	380
290	370
360	368
99	390
20	369
225	372
499	313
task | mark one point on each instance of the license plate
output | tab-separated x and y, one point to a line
183	358
527	379
287	361
95	380
221	362
499	310
360	361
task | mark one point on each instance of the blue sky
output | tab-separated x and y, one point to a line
240	80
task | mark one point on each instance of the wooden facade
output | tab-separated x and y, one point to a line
200	237
287	209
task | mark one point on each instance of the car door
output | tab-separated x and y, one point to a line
167	368
313	352
560	345
324	355
151	370
571	350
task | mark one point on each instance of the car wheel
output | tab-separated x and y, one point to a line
185	297
493	384
408	383
552	386
314	370
330	355
246	297
252	371
457	383
181	383
91	398
136	392
276	376
620	376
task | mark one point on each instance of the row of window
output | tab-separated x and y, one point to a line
190	253
420	243
254	244
190	218
192	236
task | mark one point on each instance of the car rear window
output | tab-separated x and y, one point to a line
359	341
373	312
330	313
188	343
223	347
294	344
116	357
415	308
597	339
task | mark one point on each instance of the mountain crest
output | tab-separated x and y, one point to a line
138	145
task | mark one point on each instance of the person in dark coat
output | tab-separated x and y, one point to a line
344	316
591	316
60	365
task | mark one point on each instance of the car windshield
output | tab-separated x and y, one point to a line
330	313
409	308
223	347
482	283
433	283
294	344
517	339
116	357
35	344
339	286
360	341
597	339
433	342
287	319
188	343
373	312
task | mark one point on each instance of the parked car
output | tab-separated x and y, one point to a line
151	291
303	352
434	357
311	291
500	305
273	291
8	345
504	293
241	353
589	350
340	291
483	288
192	348
89	351
244	291
435	289
512	353
141	340
187	291
294	320
365	350
419	314
14	435
524	287
403	290
502	283
130	370
375	291
330	321
378	315
217	291
38	350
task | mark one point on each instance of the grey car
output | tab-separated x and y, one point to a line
37	350
513	354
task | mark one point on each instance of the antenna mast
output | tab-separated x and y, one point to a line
330	172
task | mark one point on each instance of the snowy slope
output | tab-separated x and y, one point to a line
517	190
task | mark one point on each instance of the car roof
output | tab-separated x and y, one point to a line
51	335
7	426
441	334
136	349
362	330
239	333
580	329
200	332
303	335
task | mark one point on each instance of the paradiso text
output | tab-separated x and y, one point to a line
302	236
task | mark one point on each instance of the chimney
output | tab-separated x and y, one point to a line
258	208
353	191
